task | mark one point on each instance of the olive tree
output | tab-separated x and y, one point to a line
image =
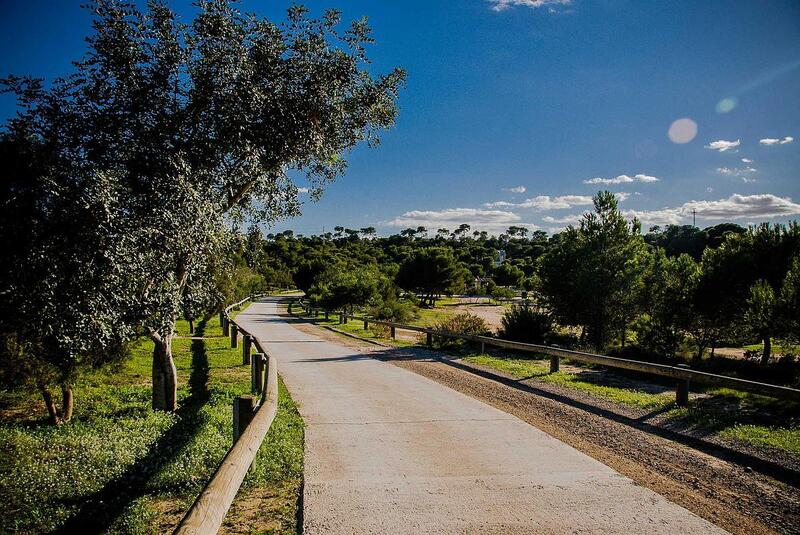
199	125
62	274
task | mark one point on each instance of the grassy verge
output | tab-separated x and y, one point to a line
540	370
121	468
728	414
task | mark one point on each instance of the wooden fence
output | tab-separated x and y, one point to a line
252	418
682	373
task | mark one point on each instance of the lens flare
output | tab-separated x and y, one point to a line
727	104
682	131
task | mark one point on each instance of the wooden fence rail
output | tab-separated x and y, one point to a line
681	373
251	421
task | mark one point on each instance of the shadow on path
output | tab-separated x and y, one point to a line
102	508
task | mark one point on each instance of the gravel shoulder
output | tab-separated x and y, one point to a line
700	477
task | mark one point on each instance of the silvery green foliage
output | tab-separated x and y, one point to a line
64	290
181	129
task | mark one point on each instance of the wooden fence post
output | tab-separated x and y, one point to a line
256	358
429	339
682	389
483	347
393	332
225	326
243	407
555	363
234	335
327	315
366	325
258	373
247	341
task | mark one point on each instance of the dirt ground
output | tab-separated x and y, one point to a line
491	314
713	482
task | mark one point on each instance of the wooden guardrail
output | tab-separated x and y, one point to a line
252	418
682	373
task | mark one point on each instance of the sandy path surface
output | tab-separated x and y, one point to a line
390	451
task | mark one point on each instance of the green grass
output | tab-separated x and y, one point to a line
356	327
428	317
118	463
777	349
539	369
728	414
773	437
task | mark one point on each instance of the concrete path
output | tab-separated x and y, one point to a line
389	451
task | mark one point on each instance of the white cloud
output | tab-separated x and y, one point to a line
740	206
302	190
515	189
709	189
500	5
478	219
737	206
776	141
747	160
545	202
737	171
621	179
724	146
571	219
668	216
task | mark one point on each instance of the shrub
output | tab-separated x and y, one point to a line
394	310
563	340
524	323
501	293
463	323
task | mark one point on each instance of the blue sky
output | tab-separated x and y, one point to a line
560	98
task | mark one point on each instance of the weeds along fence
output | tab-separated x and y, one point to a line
252	417
682	373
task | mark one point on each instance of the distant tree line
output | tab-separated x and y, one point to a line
666	291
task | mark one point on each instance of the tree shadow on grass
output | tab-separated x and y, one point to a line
100	509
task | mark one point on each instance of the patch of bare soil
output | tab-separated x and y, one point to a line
271	509
731	489
491	314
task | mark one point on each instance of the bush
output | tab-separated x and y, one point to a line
394	310
524	323
501	293
563	340
641	353
463	323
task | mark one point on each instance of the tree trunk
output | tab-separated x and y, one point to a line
767	350
66	402
701	348
47	396
165	376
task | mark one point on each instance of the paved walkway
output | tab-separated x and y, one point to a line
389	451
